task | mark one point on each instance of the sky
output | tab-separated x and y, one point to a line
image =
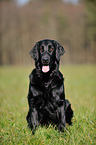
23	2
71	1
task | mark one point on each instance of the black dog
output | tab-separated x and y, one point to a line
46	97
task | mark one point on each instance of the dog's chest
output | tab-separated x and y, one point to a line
46	85
49	85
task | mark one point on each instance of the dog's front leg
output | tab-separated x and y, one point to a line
34	119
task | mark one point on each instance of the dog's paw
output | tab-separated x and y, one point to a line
61	128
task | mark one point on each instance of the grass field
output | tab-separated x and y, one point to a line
80	89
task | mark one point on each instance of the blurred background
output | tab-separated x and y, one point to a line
24	22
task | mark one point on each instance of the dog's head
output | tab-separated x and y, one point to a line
46	54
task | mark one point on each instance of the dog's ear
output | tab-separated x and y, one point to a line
34	52
59	50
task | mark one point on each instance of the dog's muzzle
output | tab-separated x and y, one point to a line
45	65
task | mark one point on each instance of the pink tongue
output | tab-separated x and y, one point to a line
45	69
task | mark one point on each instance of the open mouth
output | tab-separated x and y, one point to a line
45	69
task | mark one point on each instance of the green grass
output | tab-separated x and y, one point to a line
80	89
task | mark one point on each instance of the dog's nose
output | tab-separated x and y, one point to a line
45	60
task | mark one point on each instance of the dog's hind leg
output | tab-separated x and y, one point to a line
68	112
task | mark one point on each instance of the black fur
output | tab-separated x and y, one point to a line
46	96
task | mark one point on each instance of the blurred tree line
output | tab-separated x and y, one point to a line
73	26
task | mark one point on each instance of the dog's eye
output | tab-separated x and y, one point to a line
50	48
42	49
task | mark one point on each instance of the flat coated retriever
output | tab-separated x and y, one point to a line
46	97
